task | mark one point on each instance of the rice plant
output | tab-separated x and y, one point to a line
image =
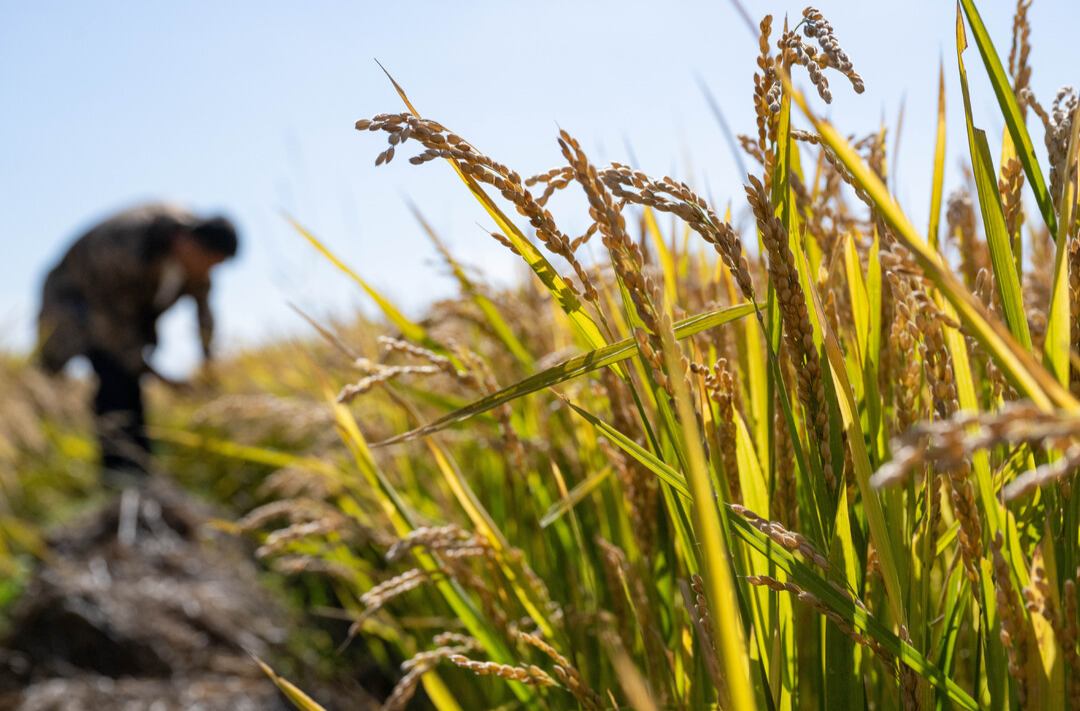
811	464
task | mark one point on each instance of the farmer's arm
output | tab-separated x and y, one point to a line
201	293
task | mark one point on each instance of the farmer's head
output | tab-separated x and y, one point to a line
205	245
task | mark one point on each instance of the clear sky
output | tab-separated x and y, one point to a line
247	108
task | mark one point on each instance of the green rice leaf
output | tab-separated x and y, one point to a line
1011	112
484	524
567	370
573	497
842	688
849	412
873	362
809	580
1056	348
939	164
668	475
709	533
667	262
401	518
1023	371
997	235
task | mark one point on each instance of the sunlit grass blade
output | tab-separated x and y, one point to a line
485	524
574	497
1026	375
885	543
811	478
247	453
1057	347
874	400
1071	520
667	262
715	559
298	698
411	331
401	519
821	499
956	602
494	318
577	366
440	694
809	580
1011	112
670	476
841	687
768	618
1049	649
939	164
997	234
754	364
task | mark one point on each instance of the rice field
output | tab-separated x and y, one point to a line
826	458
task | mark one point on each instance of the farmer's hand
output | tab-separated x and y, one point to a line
206	377
181	387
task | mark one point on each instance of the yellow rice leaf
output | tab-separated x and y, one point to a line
411	331
298	698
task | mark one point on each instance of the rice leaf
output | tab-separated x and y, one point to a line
1056	348
997	234
257	455
956	602
849	411
860	302
441	696
402	521
298	698
1024	373
583	488
1050	669
567	370
841	685
1011	112
874	414
667	262
494	318
809	580
666	474
484	524
715	562
756	497
939	164
411	331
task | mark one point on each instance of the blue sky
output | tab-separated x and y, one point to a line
247	108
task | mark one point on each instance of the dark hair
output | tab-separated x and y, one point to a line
216	235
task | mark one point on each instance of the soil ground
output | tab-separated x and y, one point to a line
144	608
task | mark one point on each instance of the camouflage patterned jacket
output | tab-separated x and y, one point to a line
108	291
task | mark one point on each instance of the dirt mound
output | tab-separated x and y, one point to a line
143	609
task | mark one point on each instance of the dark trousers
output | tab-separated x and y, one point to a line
120	418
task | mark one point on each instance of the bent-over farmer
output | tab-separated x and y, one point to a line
103	300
